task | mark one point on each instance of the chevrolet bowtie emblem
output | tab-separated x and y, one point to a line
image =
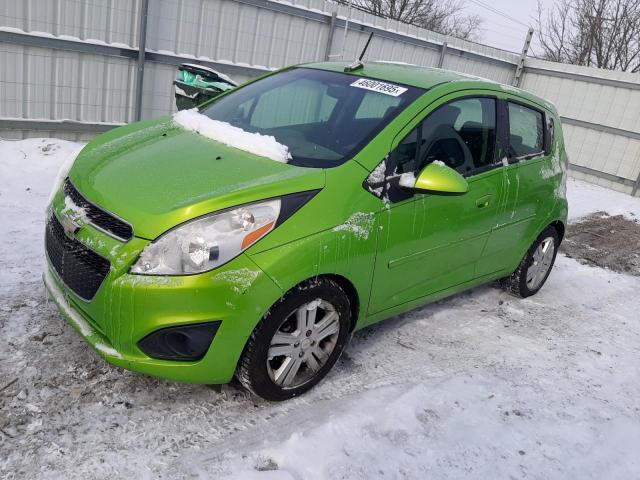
70	226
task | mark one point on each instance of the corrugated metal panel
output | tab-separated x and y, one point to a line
225	30
43	83
40	83
604	152
474	66
600	97
609	105
598	180
110	21
244	33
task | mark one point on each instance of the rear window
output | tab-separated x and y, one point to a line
526	131
323	117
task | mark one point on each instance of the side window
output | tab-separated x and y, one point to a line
406	152
476	126
462	134
526	132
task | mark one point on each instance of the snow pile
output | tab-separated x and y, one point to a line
586	198
263	145
28	168
359	224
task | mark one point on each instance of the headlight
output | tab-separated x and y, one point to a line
208	242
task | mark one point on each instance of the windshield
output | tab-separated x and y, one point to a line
323	117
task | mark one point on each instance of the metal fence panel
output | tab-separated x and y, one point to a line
41	83
109	21
600	118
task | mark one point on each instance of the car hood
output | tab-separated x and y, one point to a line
156	175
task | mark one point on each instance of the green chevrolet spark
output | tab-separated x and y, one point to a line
252	237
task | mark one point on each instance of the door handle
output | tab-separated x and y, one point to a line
483	202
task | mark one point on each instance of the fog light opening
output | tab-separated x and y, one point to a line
179	343
182	342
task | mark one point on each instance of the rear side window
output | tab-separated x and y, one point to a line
526	131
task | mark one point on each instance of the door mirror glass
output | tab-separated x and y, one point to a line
436	178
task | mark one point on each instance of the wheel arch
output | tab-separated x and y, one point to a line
343	282
559	227
351	292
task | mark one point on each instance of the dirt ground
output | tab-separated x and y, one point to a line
605	241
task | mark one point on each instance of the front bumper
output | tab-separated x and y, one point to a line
129	307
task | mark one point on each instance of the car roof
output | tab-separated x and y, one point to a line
424	77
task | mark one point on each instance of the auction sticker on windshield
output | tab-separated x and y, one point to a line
378	86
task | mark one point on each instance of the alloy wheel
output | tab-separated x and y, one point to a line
303	343
541	263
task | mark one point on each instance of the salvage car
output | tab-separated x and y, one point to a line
254	236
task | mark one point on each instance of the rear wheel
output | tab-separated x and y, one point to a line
535	267
297	342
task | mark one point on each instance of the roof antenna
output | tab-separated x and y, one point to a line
358	63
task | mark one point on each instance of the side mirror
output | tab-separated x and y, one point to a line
436	178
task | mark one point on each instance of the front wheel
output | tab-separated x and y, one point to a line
297	342
535	267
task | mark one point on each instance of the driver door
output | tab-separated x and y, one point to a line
431	242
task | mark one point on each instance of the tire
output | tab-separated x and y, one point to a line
526	281
297	342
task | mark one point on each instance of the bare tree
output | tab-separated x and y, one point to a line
599	33
442	16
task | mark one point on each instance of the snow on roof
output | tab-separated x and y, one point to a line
263	145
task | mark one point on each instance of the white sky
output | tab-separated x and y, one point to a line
502	32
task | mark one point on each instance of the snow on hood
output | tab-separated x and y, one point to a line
263	145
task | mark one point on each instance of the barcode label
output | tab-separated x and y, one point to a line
378	86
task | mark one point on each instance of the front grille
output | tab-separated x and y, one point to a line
97	216
80	268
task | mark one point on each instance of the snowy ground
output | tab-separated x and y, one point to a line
481	385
